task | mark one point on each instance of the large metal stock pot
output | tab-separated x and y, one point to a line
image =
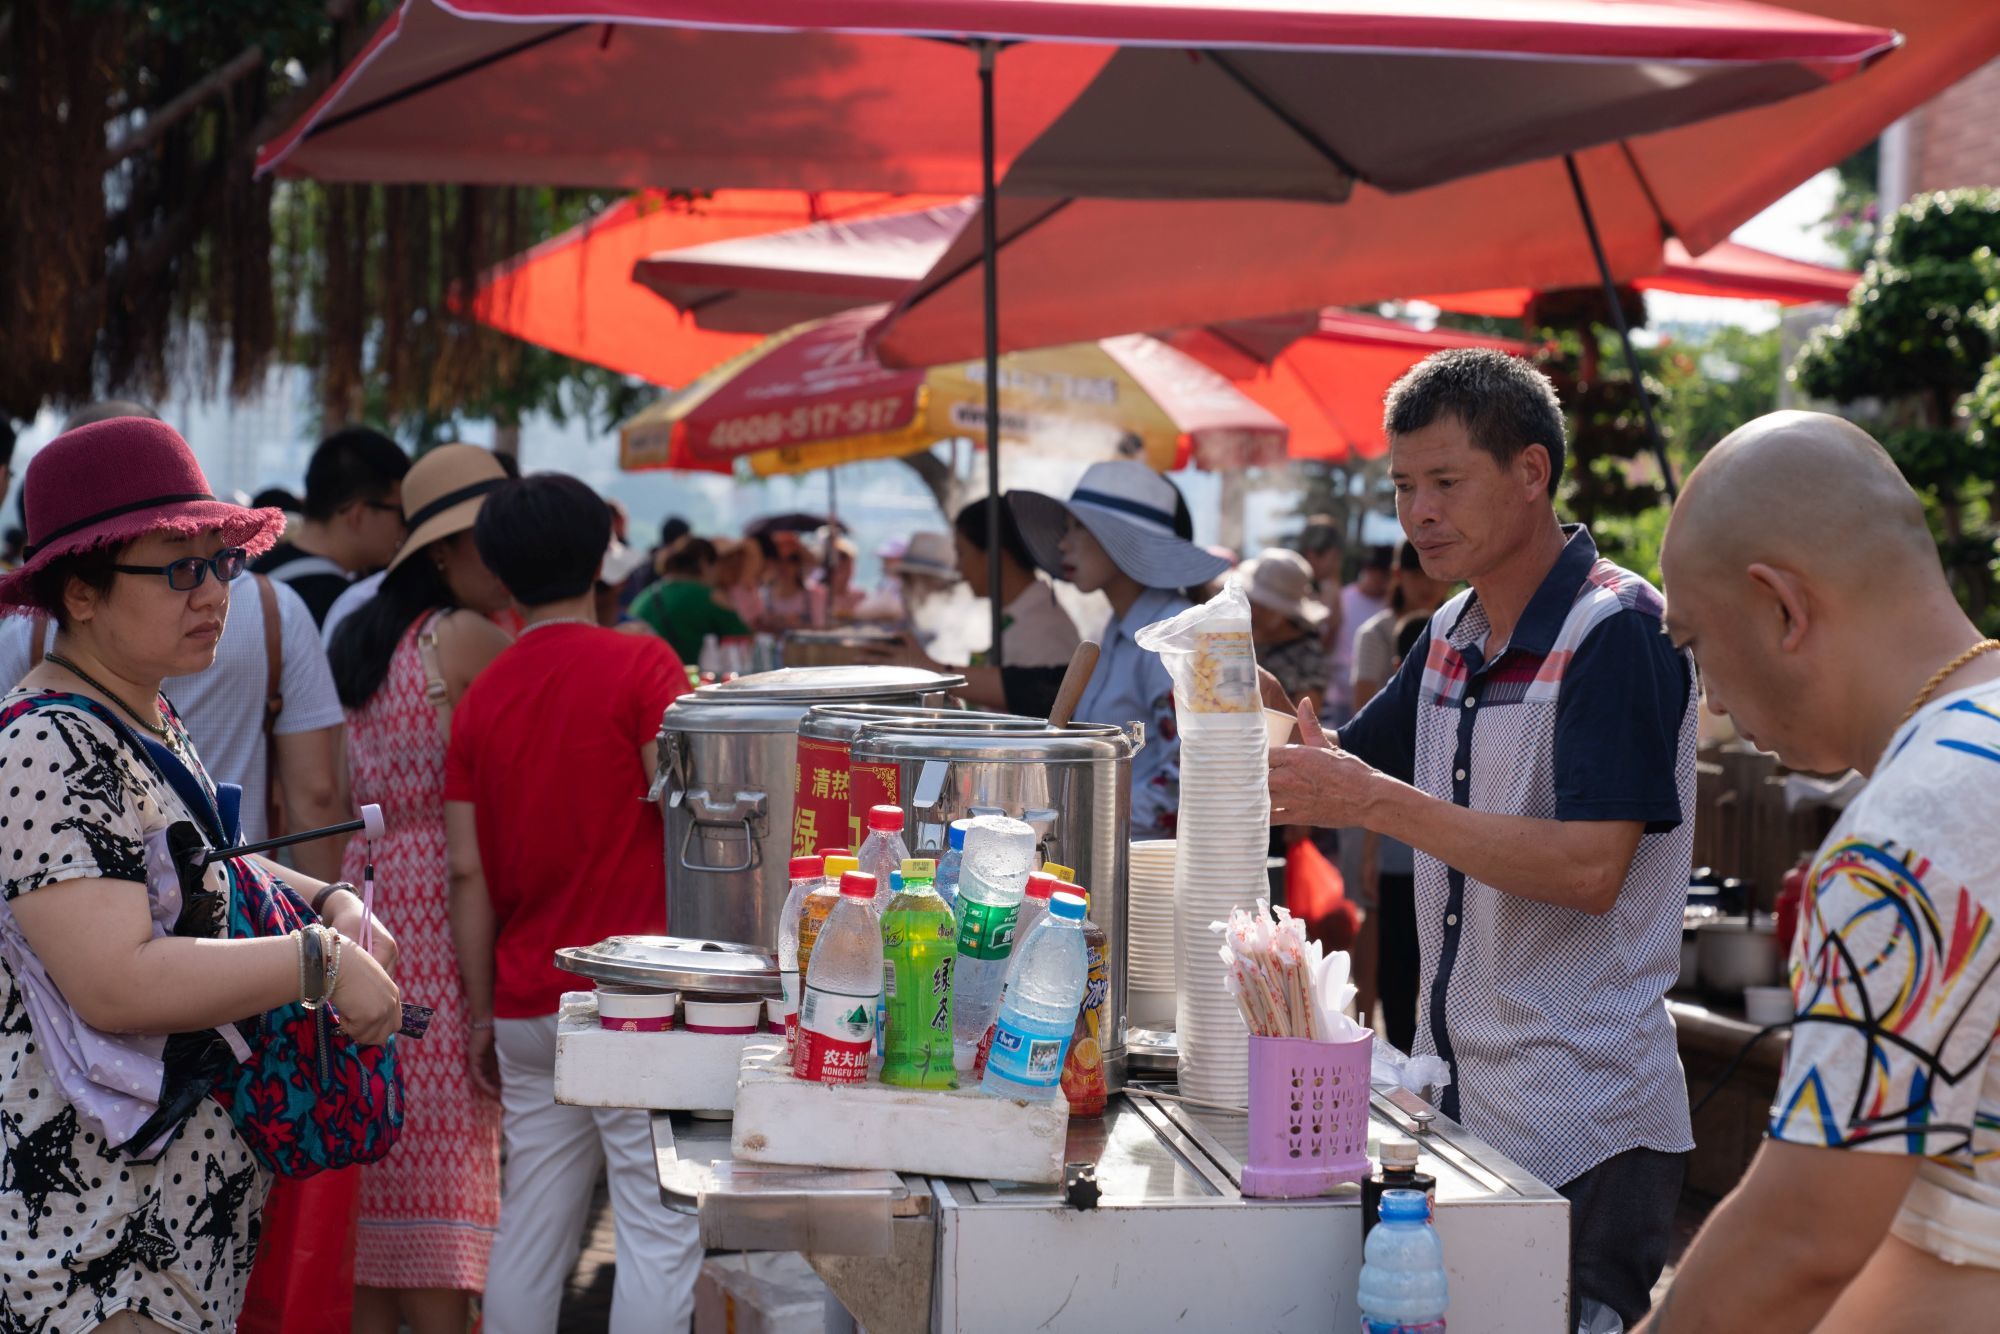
831	800
725	778
1073	784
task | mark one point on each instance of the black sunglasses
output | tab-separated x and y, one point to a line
185	575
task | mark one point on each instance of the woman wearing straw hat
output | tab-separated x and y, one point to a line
128	1208
402	663
1125	532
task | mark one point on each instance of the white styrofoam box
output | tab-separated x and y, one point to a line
675	1071
960	1133
765	1292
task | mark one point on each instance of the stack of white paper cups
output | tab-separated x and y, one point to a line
1223	829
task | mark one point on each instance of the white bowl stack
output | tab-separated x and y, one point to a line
1150	979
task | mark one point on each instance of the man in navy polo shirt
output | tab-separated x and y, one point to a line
1537	749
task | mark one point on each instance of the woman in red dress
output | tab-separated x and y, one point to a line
429	1210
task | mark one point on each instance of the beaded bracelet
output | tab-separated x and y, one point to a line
333	966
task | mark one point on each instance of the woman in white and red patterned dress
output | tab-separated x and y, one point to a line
429	1210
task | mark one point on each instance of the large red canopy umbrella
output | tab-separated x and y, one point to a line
1145	98
573	293
1079	267
763	283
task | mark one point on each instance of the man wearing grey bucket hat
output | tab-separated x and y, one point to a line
1124	532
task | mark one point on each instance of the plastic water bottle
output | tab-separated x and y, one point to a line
919	949
1044	994
818	904
992	879
1402	1269
1034	907
883	852
947	867
843	987
808	874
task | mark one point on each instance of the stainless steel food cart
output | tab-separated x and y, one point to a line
1162	1238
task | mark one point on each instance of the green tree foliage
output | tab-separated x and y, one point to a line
1914	352
141	247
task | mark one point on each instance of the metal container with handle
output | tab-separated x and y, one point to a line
725	778
1073	784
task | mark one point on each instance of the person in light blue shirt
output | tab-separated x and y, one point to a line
1125	532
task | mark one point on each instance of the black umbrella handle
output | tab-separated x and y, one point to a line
371	820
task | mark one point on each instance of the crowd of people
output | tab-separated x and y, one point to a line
1500	722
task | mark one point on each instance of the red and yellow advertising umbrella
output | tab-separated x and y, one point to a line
814	396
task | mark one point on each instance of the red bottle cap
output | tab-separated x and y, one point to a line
887	818
836	852
858	885
1041	886
808	868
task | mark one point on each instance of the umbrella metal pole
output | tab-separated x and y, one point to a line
832	536
990	245
1653	435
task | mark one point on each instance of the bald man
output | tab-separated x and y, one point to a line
1799	570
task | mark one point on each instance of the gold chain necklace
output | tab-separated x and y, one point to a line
1944	672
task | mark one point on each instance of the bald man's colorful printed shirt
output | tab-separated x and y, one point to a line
1896	978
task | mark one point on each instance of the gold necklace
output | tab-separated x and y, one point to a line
1942	673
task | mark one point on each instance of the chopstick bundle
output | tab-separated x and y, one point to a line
1274	973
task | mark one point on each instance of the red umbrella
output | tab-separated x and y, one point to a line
1240	97
1079	268
1729	270
574	293
1325	376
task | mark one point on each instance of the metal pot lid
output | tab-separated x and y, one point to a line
675	963
824	685
841	722
1042	744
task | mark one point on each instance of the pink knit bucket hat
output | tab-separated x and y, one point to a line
115	481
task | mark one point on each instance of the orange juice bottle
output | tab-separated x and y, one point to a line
1083	1070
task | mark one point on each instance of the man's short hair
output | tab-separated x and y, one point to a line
544	536
1504	403
970	524
357	464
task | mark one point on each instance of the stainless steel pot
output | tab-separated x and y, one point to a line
833	798
1737	952
727	756
1075	781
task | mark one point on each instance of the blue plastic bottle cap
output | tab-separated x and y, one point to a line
1066	905
1405	1206
957	835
